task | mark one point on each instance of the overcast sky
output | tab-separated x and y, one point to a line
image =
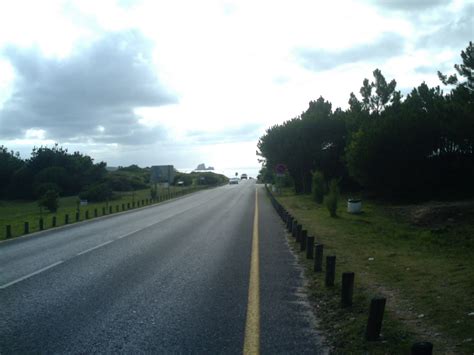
189	82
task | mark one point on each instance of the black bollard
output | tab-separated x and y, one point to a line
347	289
422	348
304	235
77	217
309	247
41	224
330	270
299	228
53	223
294	228
318	258
8	231
66	219
374	322
27	227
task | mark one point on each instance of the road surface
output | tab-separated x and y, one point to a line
206	273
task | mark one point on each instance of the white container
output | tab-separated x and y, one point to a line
354	205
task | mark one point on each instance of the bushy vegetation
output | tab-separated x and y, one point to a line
318	187
332	198
417	147
49	200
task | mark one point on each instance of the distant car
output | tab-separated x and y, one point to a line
243	176
233	181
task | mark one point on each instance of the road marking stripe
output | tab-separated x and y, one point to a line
252	325
62	261
30	275
93	248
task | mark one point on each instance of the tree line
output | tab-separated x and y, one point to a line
417	147
54	172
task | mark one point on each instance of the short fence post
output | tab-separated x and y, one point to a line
41	224
53	223
374	322
422	348
294	228
309	247
330	270
66	219
87	214
347	288
299	228
27	227
318	258
95	212
304	235
289	223
8	231
77	216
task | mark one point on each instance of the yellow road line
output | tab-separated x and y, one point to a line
252	325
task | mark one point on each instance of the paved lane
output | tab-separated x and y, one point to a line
168	278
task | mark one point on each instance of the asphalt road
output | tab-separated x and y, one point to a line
171	278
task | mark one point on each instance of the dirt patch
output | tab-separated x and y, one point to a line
435	215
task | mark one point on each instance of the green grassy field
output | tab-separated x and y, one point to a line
426	273
16	213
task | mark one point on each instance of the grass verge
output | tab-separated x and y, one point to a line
426	275
16	213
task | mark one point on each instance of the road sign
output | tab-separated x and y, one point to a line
280	170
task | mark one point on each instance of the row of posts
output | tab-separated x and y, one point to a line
315	251
41	224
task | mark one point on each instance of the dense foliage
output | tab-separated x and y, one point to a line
47	169
421	146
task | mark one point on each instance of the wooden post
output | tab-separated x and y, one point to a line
41	224
422	348
294	228
8	231
309	247
66	218
53	223
318	258
330	270
304	235
374	322
347	289
27	227
299	228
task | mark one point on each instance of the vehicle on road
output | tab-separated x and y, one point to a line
243	177
233	181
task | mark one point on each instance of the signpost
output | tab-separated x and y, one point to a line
280	172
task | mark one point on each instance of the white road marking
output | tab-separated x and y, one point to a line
93	248
30	275
78	254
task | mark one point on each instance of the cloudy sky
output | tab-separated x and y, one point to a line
189	82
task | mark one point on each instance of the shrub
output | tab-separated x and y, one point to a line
97	193
332	198
50	200
41	189
318	187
